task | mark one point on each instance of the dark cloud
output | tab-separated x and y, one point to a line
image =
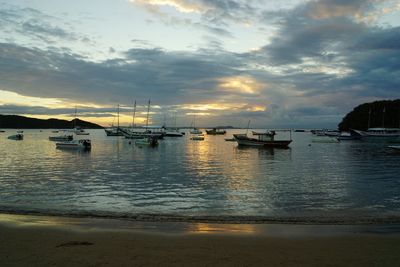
166	77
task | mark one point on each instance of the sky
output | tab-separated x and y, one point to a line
279	64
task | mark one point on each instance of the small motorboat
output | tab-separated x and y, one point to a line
54	131
80	131
395	147
196	131
147	141
82	144
64	137
16	137
173	133
197	137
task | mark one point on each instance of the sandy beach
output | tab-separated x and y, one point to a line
36	241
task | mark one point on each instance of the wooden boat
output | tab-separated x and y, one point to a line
266	139
215	131
76	144
16	137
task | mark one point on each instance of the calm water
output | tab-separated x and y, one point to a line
181	177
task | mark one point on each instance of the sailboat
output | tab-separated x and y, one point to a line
172	131
379	131
114	131
195	130
131	134
147	140
77	129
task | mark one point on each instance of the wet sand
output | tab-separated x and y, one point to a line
54	241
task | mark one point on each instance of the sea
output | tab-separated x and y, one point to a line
213	180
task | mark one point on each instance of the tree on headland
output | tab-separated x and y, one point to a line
384	113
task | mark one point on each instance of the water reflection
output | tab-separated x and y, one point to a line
211	177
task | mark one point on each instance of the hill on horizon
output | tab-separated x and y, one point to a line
22	122
383	113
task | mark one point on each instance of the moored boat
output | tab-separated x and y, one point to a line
350	135
379	132
266	139
198	137
18	136
83	144
216	131
113	131
63	137
196	131
147	141
325	139
80	131
172	132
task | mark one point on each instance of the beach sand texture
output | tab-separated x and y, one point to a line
76	246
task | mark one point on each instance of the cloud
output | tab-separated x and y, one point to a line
215	15
320	63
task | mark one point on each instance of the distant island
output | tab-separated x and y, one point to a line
384	113
21	122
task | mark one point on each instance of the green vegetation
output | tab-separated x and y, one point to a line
385	113
20	122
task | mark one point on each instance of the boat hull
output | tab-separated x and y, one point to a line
215	132
16	137
243	140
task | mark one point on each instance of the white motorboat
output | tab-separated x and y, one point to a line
173	132
395	147
83	144
79	131
18	136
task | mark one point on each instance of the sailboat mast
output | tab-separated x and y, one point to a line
369	118
383	117
134	114
147	119
248	125
118	116
75	117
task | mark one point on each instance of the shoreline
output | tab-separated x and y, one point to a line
27	240
355	219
